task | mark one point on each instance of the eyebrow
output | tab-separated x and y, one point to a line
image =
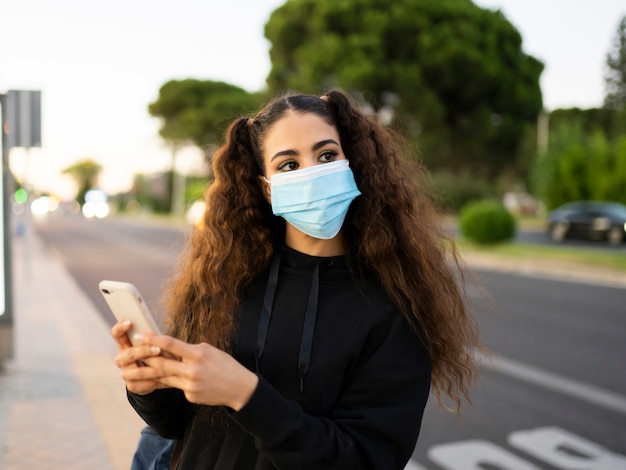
316	146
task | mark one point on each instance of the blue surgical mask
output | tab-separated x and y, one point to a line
315	200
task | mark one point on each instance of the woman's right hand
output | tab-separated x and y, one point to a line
139	378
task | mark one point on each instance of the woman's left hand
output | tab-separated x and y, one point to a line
207	375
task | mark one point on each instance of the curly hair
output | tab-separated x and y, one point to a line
392	231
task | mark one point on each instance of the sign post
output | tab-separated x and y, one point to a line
6	310
20	113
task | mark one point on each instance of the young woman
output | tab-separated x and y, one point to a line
314	309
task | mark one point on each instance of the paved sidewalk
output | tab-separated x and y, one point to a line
62	402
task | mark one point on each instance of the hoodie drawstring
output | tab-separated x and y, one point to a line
304	358
266	310
306	344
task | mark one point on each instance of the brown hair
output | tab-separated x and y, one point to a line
392	230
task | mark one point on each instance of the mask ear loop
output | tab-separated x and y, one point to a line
267	191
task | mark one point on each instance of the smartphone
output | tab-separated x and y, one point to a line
126	303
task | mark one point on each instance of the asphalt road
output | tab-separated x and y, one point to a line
131	250
552	395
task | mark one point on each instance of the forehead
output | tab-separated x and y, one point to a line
297	130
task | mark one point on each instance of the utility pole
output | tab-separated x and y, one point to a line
543	127
178	185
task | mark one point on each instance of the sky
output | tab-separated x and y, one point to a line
99	65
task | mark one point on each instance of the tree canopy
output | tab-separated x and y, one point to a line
580	164
85	173
199	111
447	73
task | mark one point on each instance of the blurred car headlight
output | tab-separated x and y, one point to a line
98	209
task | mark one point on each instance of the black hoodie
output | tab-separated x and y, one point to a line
343	381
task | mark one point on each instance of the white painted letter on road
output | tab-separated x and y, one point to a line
566	450
475	455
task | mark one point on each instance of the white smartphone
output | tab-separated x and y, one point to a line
126	303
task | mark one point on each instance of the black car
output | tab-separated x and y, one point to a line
590	220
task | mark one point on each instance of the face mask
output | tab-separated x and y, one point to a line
315	200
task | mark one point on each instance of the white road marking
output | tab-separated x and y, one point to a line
475	455
413	465
563	449
582	391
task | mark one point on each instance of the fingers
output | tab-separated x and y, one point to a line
141	380
119	333
141	374
138	376
132	355
131	359
204	373
175	347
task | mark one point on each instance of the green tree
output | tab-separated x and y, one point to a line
581	165
615	76
197	112
449	74
610	121
85	173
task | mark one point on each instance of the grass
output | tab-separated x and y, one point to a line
532	223
568	255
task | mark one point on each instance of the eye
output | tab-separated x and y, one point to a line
288	165
328	156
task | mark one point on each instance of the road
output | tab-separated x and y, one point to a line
132	250
551	396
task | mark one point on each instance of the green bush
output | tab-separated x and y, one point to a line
486	222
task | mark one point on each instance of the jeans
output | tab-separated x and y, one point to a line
153	451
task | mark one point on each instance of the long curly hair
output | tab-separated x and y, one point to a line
393	231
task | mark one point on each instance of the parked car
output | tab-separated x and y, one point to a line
590	220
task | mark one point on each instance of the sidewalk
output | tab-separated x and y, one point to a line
62	402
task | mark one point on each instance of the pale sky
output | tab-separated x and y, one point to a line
99	64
